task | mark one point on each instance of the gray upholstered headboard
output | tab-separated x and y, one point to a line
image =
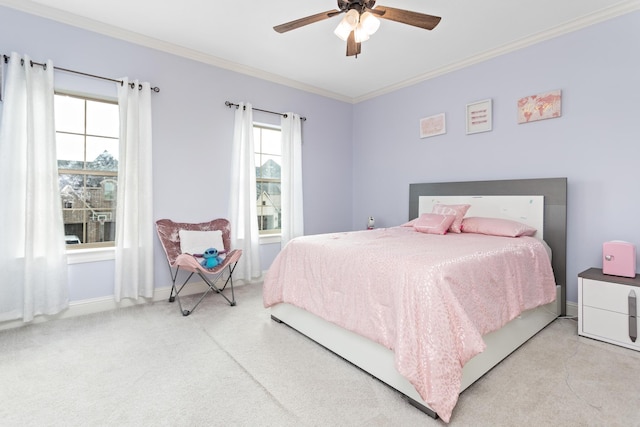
554	191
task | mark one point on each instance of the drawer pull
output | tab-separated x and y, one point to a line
633	313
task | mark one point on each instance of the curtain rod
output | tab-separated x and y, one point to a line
154	89
231	104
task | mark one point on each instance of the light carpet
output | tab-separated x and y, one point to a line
233	366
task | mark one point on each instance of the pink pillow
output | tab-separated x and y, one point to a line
496	227
433	223
410	223
458	210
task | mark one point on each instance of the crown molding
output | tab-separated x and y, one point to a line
568	27
30	7
150	42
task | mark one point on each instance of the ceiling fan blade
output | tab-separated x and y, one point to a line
283	28
420	20
353	48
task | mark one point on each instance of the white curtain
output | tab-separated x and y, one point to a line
134	210
291	178
33	260
243	213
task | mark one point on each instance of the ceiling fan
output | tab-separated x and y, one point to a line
361	20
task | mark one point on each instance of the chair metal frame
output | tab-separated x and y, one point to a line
168	233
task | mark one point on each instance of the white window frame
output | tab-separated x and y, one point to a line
268	237
90	252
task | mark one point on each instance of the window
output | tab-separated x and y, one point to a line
87	132
268	160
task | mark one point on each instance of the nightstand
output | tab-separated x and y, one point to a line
607	309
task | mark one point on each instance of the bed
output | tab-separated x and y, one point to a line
413	328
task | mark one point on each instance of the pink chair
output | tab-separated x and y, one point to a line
169	235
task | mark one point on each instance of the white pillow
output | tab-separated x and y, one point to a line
196	242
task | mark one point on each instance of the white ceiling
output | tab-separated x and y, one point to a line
239	35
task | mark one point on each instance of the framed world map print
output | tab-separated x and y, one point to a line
540	107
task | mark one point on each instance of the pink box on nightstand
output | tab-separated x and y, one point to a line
619	259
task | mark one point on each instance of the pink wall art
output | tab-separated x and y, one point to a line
539	107
479	116
432	126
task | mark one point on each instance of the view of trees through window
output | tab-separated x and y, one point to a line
87	140
268	160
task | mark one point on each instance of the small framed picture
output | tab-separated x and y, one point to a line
542	106
479	116
433	125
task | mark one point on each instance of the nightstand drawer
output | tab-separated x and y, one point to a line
608	326
604	308
607	296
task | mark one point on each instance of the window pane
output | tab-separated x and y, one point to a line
270	167
269	206
70	151
89	196
258	161
271	143
101	226
74	226
268	160
101	190
109	186
70	185
69	112
88	206
73	232
102	119
102	153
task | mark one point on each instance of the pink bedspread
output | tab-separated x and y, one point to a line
429	298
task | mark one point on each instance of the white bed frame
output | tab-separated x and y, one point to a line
379	361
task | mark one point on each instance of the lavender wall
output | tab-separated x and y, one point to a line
192	131
594	144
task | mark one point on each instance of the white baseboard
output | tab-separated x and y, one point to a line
572	309
98	305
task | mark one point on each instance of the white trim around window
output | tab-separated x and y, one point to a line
79	256
266	239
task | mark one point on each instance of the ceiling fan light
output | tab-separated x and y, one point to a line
369	22
352	17
361	34
343	30
347	24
